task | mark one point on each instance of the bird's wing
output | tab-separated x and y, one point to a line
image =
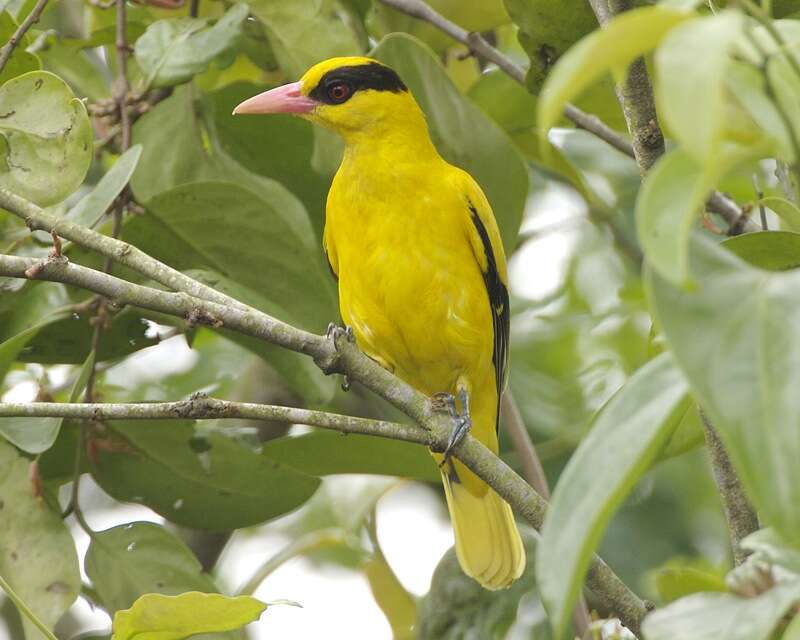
487	246
330	256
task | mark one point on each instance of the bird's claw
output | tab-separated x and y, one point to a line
443	401
462	423
462	426
334	332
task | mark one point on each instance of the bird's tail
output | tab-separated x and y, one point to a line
488	544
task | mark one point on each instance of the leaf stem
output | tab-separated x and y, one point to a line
8	48
25	610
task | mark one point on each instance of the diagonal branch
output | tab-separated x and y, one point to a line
8	48
339	355
717	202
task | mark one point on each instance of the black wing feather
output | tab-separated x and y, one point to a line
498	300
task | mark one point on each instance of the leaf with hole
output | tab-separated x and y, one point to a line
45	138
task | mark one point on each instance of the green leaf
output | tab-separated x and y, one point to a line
298	371
279	147
612	48
324	453
244	236
676	582
787	211
712	616
45	138
37	554
691	96
77	69
627	435
770	250
68	339
130	560
173	50
94	204
157	617
200	481
669	201
20	61
547	30
304	33
397	604
742	369
461	132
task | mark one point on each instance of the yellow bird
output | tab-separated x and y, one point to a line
422	277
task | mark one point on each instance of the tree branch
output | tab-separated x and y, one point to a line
635	96
739	513
717	202
8	48
339	355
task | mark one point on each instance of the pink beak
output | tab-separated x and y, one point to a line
285	99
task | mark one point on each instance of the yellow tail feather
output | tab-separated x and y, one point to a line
488	544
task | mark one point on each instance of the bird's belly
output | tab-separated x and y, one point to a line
423	312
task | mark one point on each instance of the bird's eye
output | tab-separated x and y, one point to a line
339	92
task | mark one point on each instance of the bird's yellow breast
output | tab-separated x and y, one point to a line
409	283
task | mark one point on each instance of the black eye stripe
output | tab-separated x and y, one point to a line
373	76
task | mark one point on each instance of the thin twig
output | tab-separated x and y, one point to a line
341	355
194	8
121	87
739	513
8	48
533	472
759	197
717	202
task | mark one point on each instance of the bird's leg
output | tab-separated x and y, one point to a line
462	422
334	332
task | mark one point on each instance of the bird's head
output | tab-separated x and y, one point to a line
353	96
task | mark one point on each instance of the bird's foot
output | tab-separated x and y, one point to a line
329	362
334	332
462	423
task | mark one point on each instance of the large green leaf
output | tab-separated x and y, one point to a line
130	560
713	616
20	61
669	202
304	33
323	453
158	617
94	204
279	147
37	554
45	138
461	132
244	236
626	437
173	50
298	371
691	96
742	368
547	29
203	482
611	49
